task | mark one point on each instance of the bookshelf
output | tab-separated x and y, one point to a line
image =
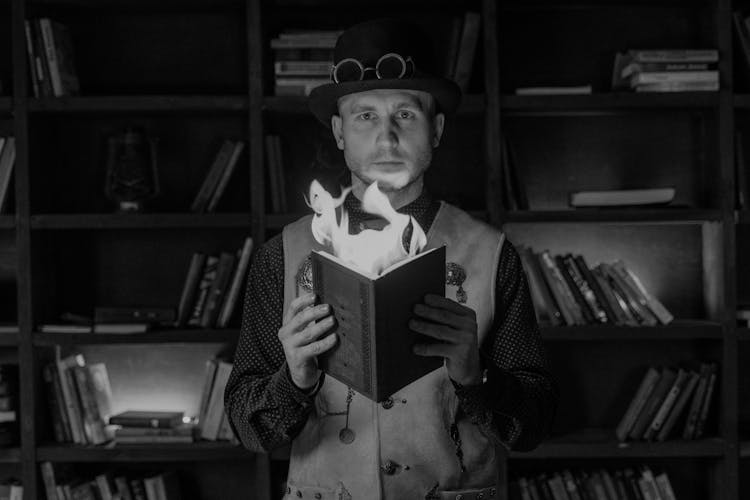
155	76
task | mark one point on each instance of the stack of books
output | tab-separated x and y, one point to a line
302	60
678	70
9	428
213	424
667	400
149	427
7	161
62	481
212	288
566	291
49	48
620	484
218	175
80	398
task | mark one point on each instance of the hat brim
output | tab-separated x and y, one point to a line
323	100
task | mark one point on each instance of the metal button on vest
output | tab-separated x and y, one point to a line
387	404
389	467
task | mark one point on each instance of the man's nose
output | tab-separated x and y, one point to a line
388	133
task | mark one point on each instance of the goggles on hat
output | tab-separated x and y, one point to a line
389	66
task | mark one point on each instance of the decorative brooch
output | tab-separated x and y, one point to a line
456	275
304	275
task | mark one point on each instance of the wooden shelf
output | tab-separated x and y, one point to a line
608	102
677	330
640	215
601	443
202	451
152	337
129	104
470	104
139	221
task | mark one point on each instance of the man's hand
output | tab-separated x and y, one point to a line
304	324
454	327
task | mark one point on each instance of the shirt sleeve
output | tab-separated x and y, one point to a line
516	405
264	407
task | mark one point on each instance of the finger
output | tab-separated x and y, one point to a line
445	303
442	316
435	350
319	347
298	304
436	331
311	332
303	318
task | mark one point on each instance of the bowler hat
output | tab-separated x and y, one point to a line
367	42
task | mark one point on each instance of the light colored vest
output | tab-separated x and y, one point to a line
402	450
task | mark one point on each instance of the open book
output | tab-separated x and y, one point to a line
374	354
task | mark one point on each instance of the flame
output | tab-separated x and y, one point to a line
370	251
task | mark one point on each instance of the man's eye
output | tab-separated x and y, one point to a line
366	116
405	115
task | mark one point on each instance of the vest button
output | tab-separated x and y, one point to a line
387	404
389	467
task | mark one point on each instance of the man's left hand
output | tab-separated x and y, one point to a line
454	327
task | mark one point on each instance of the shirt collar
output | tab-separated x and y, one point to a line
422	209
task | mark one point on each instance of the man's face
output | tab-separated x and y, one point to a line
387	136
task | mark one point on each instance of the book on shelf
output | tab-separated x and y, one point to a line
190	288
678	408
151	315
665	406
80	399
212	408
372	315
235	287
666	70
148	418
217	291
9	328
204	286
545	306
555	90
302	68
688	431
213	176
302	60
7	162
57	47
226	175
647	413
637	403
621	197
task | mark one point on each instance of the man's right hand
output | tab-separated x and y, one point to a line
300	335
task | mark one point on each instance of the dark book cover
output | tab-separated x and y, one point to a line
156	419
588	316
373	354
218	289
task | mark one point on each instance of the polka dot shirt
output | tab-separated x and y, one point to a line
514	407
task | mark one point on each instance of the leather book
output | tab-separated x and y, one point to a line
373	354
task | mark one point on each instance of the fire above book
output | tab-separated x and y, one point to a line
373	354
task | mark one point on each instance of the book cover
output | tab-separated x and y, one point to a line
190	288
665	487
209	373
221	186
29	36
706	404
691	421
238	279
679	406
555	288
598	314
621	197
45	82
372	315
68	393
637	403
221	160
596	288
646	299
615	297
51	55
583	306
209	427
93	424
675	55
544	304
204	286
218	289
646	416
140	418
561	282
666	405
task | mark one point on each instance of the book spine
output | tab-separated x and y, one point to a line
599	315
545	307
637	403
59	416
209	429
48	478
225	176
656	307
218	290
641	313
676	55
679	406
238	280
666	405
7	160
71	406
209	274
31	58
586	316
212	177
599	295
51	53
467	49
190	288
665	487
706	404
93	424
45	84
556	284
208	382
688	431
666	379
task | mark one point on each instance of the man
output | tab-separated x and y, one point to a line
440	436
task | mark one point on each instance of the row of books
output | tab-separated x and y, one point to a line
276	175
629	483
80	399
302	60
49	48
62	482
677	70
566	291
149	427
11	489
217	177
7	161
668	399
212	287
